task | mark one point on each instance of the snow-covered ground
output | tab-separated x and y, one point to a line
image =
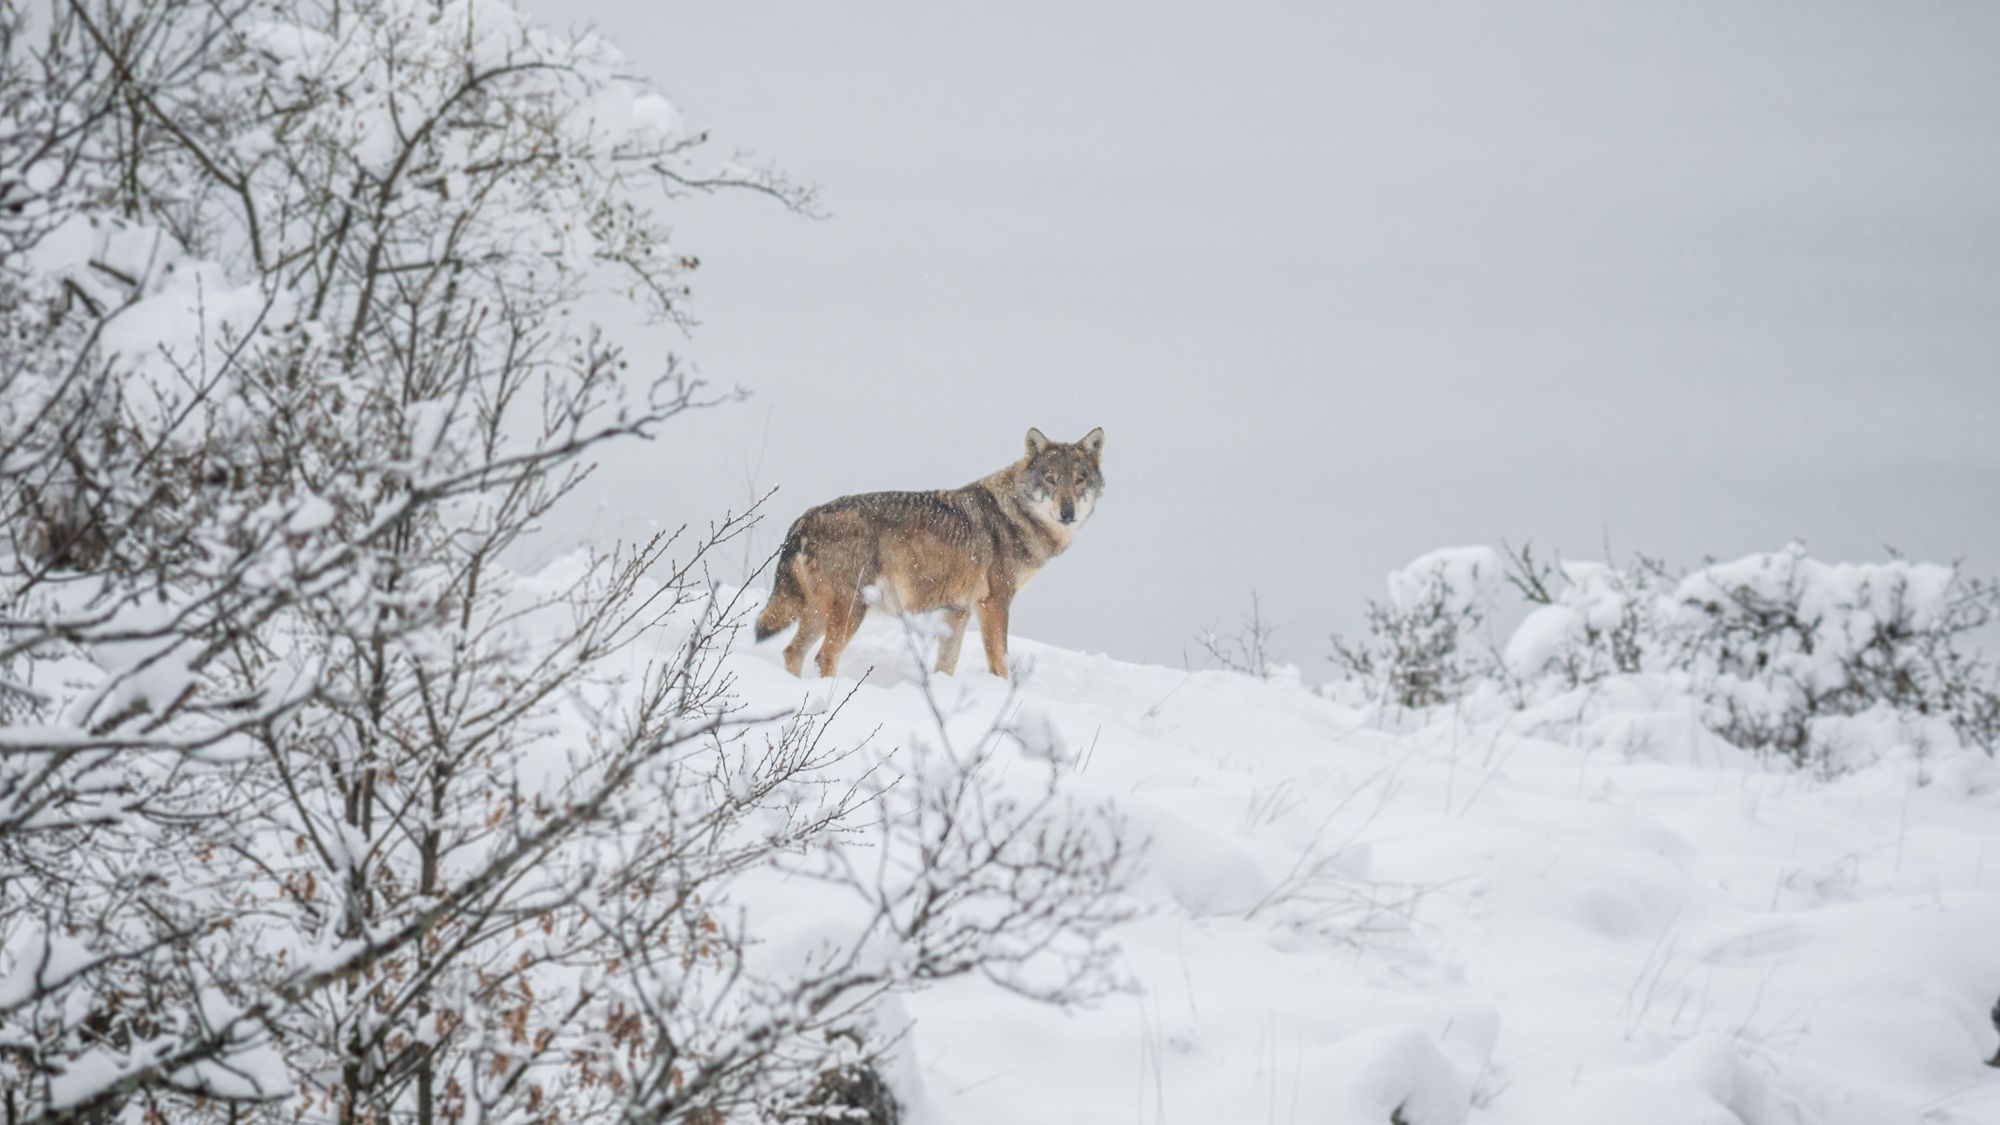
1460	923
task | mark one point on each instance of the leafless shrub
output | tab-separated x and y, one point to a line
1534	579
851	1095
1416	651
1785	643
1784	654
1606	616
1247	650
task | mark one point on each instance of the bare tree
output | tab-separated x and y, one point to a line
297	814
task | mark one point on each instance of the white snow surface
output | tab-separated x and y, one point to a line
1617	921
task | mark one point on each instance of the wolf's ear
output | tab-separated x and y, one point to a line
1093	444
1036	442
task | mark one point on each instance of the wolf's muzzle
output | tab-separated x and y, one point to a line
1067	512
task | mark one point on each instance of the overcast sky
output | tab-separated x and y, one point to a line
1344	283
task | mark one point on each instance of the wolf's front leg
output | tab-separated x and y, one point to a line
955	618
993	631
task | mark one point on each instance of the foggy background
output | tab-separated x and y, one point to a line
1343	283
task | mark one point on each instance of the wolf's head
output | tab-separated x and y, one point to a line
1061	482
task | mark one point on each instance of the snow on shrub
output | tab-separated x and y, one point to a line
1414	655
1787	642
1780	653
1593	627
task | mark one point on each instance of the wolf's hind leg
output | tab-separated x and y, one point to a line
812	623
843	617
955	618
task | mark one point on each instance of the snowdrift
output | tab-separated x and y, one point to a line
1532	920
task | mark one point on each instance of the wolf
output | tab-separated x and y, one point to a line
956	550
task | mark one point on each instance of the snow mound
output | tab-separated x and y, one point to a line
1466	576
1589	911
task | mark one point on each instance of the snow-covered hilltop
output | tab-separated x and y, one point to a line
313	809
1462	922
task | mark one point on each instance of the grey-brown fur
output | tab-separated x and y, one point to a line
961	550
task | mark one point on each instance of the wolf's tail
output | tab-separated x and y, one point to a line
788	598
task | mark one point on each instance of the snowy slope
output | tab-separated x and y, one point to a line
1461	924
